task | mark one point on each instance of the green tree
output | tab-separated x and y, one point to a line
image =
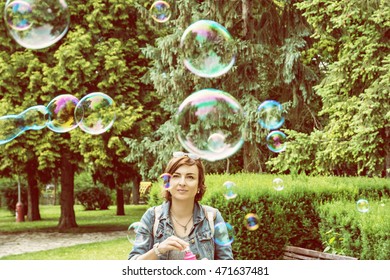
269	37
100	53
352	41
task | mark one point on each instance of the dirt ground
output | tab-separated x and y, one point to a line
12	244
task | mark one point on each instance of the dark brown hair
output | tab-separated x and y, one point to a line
177	162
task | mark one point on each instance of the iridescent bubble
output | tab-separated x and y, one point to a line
276	141
229	190
61	113
166	178
136	234
160	11
36	24
210	124
95	113
251	221
11	126
362	205
35	117
278	184
223	234
270	115
18	15
207	49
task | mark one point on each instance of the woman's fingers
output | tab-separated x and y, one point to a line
172	243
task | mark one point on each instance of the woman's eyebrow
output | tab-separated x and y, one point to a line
178	173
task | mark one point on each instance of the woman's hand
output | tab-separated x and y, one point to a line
172	243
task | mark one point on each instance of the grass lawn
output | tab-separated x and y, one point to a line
116	249
88	221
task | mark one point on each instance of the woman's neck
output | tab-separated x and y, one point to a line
182	209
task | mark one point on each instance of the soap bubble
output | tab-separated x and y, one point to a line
210	123
35	117
362	205
270	115
207	49
35	24
11	126
278	184
223	234
95	113
61	113
136	233
229	190
166	178
160	11
276	141
251	221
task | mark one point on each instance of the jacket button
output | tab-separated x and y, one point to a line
192	241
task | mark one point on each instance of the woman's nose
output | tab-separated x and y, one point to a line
182	181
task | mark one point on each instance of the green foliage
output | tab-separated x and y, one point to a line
352	45
94	197
362	235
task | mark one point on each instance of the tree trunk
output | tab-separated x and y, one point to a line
120	203
68	218
252	162
32	191
135	194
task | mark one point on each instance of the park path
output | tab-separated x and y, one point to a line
19	243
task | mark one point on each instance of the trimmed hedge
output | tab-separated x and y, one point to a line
9	195
94	197
293	216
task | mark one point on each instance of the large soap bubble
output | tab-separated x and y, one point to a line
95	113
207	49
136	233
210	124
223	234
61	113
36	24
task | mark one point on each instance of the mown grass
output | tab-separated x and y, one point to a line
87	221
116	249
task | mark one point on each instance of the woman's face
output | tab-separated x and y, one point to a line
184	183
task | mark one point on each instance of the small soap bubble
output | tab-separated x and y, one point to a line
229	190
223	234
270	114
136	233
61	113
207	49
216	142
251	221
278	184
362	205
95	113
276	141
166	178
210	124
160	11
35	24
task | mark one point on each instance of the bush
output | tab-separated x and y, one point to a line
9	195
292	216
93	198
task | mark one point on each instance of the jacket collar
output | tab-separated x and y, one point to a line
199	214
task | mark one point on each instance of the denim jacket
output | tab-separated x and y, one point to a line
200	237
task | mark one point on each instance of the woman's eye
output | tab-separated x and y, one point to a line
191	177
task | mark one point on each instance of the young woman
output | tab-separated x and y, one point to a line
181	222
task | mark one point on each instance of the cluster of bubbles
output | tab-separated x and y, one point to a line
94	114
36	24
271	118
